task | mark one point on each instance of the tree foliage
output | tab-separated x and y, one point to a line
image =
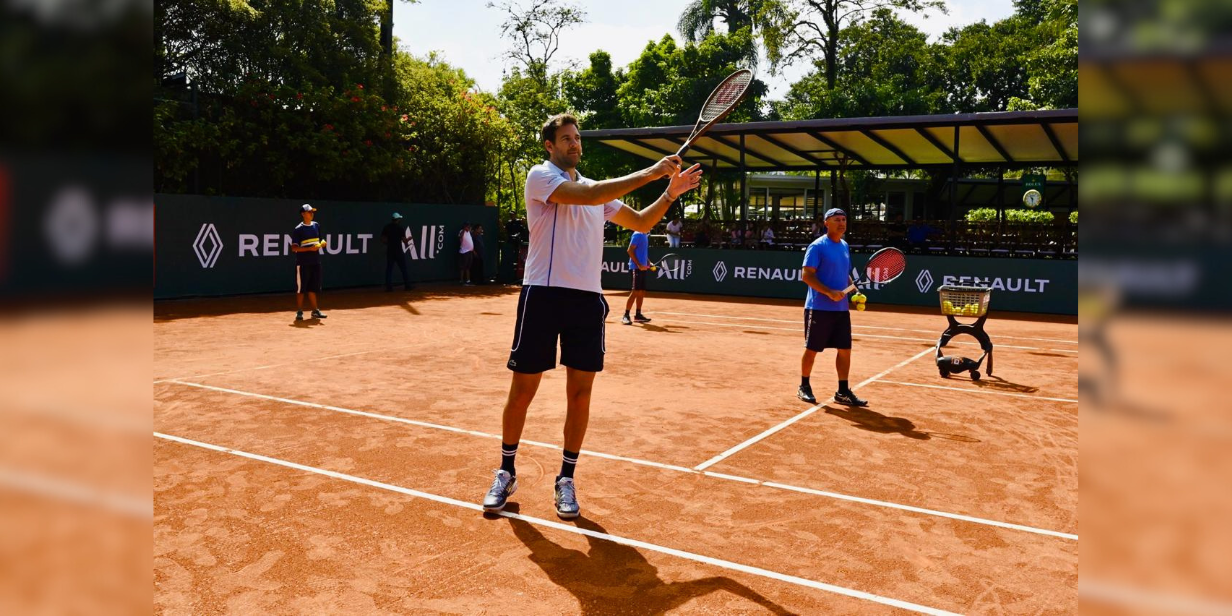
988	214
295	99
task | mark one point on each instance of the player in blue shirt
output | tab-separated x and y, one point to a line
307	244
827	319
639	262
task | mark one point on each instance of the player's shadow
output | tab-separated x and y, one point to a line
996	382
306	323
611	578
665	329
873	421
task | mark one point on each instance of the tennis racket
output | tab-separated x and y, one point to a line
721	102
884	266
670	261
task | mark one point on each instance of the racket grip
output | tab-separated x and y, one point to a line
849	289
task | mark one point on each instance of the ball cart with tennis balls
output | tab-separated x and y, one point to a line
960	301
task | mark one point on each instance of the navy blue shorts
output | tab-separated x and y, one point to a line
639	279
548	314
827	329
308	278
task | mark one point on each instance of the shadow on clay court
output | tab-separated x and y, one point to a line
611	578
998	383
339	299
307	323
873	421
666	329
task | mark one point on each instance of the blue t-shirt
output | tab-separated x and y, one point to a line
302	233
640	244
833	263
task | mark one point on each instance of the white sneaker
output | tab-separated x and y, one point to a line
566	499
503	486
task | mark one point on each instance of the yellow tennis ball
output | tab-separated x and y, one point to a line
860	306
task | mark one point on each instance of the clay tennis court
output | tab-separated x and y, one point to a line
338	467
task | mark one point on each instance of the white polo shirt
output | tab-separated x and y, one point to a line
566	241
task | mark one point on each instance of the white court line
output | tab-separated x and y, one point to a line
953	516
723	456
979	391
421	424
899	329
65	490
862	335
716	562
1143	599
202	376
682	469
887	504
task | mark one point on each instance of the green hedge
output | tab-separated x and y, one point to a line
987	214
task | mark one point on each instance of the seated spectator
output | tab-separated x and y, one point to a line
918	234
750	236
736	237
701	239
767	237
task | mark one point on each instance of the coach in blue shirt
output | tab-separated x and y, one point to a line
827	319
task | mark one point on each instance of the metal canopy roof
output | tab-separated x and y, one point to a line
1013	138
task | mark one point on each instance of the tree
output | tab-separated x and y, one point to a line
985	64
1054	66
808	29
697	20
667	84
887	67
534	30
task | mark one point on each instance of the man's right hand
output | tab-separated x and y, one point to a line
837	296
666	167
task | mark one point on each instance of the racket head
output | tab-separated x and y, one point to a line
671	262
726	96
885	265
722	100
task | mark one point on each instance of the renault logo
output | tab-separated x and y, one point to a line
208	246
924	281
720	271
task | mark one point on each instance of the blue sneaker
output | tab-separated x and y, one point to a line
503	486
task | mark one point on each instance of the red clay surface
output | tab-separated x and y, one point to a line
234	534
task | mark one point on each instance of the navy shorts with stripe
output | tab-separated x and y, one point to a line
547	314
639	279
308	278
827	329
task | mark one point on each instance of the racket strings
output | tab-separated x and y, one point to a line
727	95
886	266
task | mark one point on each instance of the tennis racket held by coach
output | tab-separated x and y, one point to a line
670	261
884	266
